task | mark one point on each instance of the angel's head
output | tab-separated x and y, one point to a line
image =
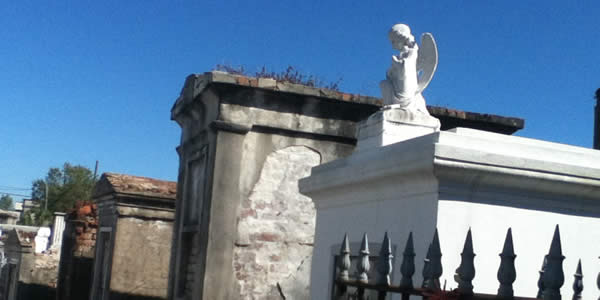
400	36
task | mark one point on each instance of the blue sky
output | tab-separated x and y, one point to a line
82	81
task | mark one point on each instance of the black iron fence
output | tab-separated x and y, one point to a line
551	277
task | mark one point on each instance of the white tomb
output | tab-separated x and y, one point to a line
460	179
410	177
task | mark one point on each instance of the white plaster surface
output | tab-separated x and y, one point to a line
41	239
458	179
58	228
255	116
374	218
393	124
532	232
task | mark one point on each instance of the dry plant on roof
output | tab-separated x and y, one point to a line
291	75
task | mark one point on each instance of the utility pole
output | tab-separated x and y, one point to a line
597	121
96	170
46	195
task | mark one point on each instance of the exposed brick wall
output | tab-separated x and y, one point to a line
86	228
77	253
276	229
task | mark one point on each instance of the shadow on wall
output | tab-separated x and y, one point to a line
35	291
80	277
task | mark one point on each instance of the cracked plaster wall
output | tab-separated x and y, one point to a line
276	229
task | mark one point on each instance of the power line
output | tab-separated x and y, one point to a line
5	187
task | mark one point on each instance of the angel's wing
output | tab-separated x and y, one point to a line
426	61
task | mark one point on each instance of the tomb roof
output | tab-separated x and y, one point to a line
135	185
450	118
10	213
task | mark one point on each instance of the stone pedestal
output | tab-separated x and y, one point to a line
392	125
455	180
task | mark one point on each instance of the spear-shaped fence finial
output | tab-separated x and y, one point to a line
466	270
384	267
554	276
344	260
578	282
407	269
344	265
540	282
507	273
363	264
432	271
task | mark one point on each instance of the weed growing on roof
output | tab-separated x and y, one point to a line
291	75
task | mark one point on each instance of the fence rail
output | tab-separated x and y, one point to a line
550	281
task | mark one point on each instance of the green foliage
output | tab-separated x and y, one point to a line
28	218
66	187
291	74
38	216
6	202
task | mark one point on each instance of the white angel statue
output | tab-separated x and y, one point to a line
411	70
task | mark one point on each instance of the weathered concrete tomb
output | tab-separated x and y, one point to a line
9	217
133	244
242	229
24	274
77	253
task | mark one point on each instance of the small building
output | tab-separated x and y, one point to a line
9	217
25	275
133	245
25	206
17	245
77	253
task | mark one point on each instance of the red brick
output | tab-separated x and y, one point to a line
267	237
248	212
253	82
85	210
241	276
275	258
242	80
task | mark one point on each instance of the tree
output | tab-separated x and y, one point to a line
6	202
66	186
